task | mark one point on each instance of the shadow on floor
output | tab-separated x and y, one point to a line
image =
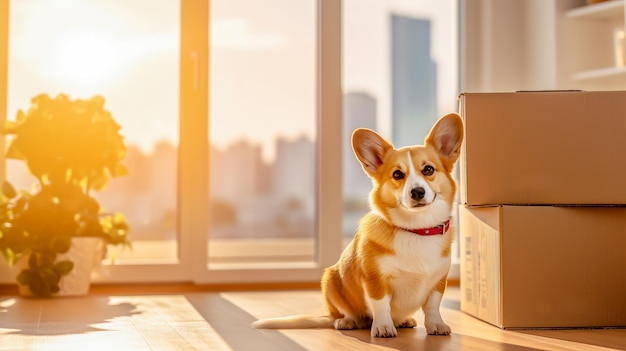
417	339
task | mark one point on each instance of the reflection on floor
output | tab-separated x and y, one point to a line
221	321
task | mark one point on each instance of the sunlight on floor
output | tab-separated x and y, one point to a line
105	323
221	321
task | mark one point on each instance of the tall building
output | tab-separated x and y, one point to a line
414	80
294	172
147	195
359	111
234	172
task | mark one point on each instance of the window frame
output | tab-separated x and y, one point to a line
193	184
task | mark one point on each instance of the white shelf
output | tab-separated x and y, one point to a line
592	22
607	10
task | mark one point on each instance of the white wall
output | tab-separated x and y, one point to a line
507	45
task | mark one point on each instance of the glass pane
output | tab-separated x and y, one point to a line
127	52
262	131
399	75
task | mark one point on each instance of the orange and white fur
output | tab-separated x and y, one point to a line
388	272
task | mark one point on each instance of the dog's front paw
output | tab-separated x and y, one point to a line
384	331
437	328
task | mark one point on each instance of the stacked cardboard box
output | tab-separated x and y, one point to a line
543	214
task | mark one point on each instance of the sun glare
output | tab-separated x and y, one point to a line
72	45
7	303
83	58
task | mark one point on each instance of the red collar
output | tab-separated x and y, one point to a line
438	230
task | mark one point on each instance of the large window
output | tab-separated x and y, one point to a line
232	114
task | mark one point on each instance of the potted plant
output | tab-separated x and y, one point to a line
72	147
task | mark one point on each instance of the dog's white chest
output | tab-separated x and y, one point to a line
414	270
415	254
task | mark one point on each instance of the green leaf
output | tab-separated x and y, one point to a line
119	170
10	256
14	152
98	101
20	117
61	243
25	276
46	259
99	180
38	287
10	127
50	276
32	261
63	267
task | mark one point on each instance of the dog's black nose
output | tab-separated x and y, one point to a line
418	193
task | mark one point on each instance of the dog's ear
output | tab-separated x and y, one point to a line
369	148
446	137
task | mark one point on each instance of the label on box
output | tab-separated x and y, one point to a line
480	277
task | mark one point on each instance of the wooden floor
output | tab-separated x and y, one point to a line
221	321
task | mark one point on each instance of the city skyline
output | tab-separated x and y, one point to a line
262	194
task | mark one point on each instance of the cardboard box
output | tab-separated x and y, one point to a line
544	148
544	266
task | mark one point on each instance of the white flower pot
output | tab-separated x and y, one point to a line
86	253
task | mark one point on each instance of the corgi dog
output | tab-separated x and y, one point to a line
399	258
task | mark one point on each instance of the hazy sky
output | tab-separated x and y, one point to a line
262	80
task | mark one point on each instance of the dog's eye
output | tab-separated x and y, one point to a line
428	170
397	174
